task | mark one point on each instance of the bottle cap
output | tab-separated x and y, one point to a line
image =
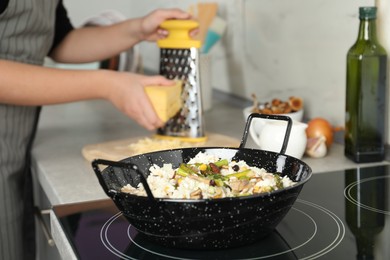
367	12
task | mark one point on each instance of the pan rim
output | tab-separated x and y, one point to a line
308	173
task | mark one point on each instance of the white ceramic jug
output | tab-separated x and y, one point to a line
269	135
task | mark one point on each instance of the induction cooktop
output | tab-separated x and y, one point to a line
338	215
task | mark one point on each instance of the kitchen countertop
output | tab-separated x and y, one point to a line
66	177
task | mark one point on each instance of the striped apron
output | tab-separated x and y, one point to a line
26	35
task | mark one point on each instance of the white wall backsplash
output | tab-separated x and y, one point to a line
299	48
273	48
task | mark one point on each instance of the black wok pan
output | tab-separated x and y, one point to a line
204	223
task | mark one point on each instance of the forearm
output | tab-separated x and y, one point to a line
89	44
23	84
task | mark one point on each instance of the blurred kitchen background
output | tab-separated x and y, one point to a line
272	48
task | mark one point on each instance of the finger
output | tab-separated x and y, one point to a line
194	32
149	125
162	33
157	80
145	116
175	13
150	117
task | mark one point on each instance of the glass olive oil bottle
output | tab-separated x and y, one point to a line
366	93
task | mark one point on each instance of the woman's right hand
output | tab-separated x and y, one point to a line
45	86
127	93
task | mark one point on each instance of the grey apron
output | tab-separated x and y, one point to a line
26	34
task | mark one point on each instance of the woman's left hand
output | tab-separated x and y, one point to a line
150	24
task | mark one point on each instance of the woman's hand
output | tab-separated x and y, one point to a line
47	86
150	24
89	44
128	95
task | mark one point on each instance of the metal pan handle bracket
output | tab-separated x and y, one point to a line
271	117
45	229
97	162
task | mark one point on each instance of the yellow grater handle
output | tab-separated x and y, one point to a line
179	37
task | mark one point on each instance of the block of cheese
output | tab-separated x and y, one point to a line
166	100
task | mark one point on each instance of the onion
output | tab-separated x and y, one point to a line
318	127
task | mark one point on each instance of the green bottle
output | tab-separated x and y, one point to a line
366	93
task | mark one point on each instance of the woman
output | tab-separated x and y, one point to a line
29	31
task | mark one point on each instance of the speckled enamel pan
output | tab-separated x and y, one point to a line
204	223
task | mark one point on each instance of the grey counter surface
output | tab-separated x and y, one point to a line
66	177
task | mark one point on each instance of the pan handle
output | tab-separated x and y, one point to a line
273	117
97	162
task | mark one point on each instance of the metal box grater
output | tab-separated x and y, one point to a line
179	59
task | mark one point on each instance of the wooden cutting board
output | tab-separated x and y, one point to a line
120	149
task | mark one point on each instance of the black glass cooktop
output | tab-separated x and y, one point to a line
338	215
